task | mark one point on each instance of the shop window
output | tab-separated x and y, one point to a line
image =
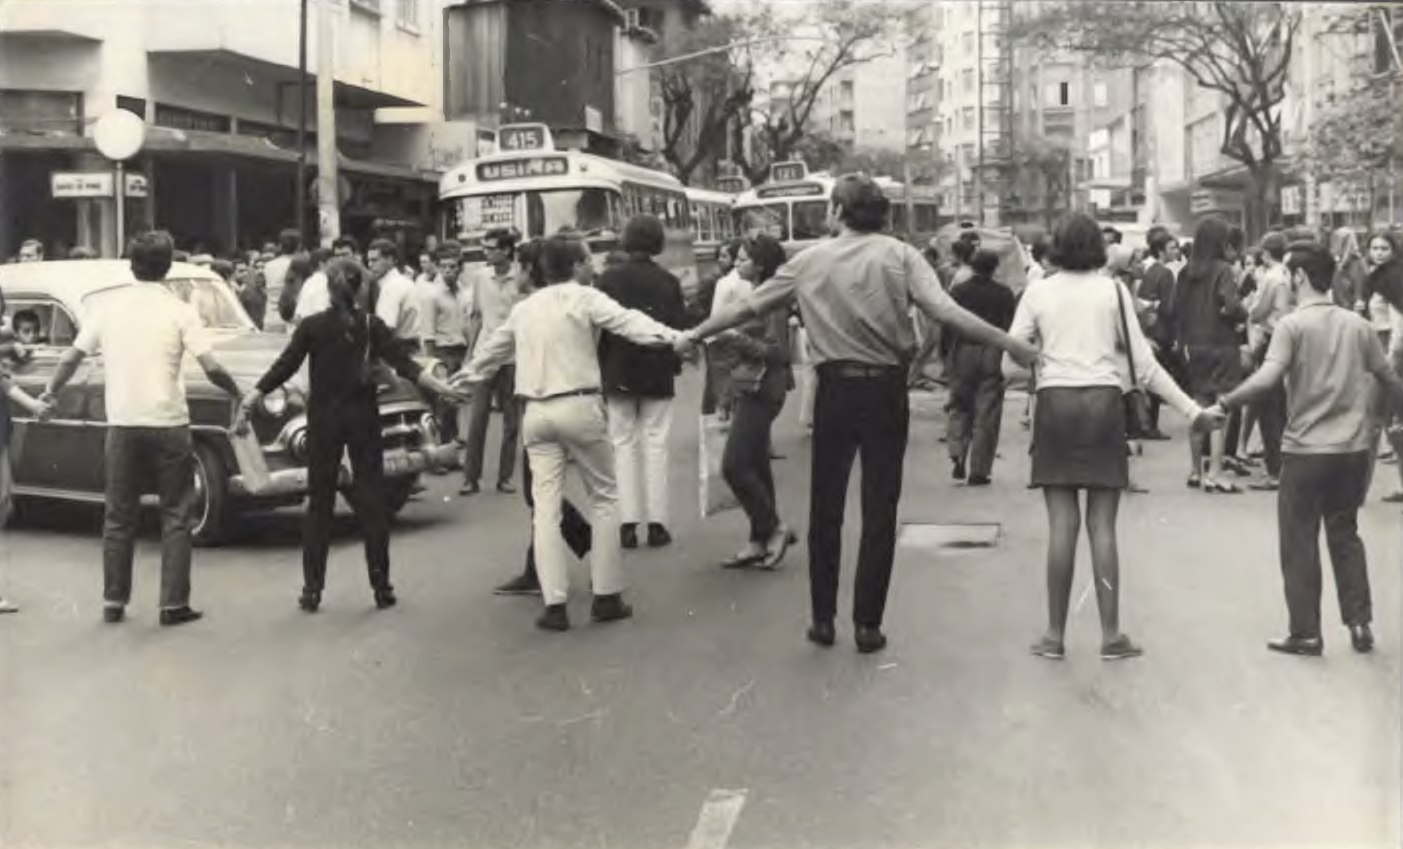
41	111
180	118
134	105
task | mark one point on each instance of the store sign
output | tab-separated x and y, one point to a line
515	169
784	171
135	185
808	191
90	184
524	137
1291	200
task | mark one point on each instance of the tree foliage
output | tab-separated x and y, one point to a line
1242	50
834	35
1042	166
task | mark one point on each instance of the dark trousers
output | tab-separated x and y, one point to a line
976	407
1271	420
133	456
500	388
354	428
852	415
574	527
1329	488
1169	360
452	358
746	462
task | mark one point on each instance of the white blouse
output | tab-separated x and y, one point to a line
1072	317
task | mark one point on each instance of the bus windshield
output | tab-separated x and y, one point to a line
772	219
534	213
810	219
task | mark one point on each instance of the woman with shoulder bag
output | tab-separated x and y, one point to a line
760	380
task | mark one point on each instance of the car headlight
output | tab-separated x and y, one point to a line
274	403
429	426
439	370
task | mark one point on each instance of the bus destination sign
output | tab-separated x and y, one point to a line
782	172
732	185
806	191
515	169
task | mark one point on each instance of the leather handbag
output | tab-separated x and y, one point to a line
1137	401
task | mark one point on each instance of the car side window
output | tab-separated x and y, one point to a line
55	324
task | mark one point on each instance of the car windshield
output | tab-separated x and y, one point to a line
216	304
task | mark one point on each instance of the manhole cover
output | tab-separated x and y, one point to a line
950	536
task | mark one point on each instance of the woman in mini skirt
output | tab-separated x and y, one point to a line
1079	438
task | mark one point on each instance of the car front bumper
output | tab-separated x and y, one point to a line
399	462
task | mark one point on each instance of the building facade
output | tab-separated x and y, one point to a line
864	105
217	85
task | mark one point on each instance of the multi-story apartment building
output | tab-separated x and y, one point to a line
217	85
923	88
864	105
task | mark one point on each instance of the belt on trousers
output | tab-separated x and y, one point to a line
859	370
575	393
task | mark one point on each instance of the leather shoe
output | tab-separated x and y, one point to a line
385	598
506	488
628	535
1305	646
1362	638
610	608
112	614
179	616
869	639
822	633
520	585
309	601
554	618
658	536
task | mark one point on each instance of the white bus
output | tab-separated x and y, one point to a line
793	207
712	222
540	191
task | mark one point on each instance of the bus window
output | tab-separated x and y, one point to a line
705	228
898	218
925	217
810	219
770	219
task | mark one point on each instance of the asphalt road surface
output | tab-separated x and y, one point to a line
707	720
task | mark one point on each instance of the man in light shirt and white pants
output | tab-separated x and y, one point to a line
554	336
144	330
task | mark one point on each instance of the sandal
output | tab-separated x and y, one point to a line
1121	648
1049	648
743	560
773	557
1219	488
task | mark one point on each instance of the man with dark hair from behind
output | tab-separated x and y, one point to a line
855	292
144	331
1113	236
976	374
1327	356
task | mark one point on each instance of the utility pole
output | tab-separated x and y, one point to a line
301	196
328	209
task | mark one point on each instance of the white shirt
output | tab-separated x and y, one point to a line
444	314
315	297
730	289
398	306
1072	315
554	333
143	331
274	277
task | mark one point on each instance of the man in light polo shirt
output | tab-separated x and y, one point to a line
1330	359
144	331
493	291
855	292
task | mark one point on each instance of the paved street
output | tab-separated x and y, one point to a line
451	721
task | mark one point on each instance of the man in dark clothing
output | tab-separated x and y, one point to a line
1157	294
976	374
639	382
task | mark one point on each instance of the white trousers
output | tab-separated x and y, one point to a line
639	429
572	431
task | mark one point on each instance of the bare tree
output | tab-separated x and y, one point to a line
1241	50
849	33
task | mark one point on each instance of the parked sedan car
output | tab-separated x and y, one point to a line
62	458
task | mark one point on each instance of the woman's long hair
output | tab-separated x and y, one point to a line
344	279
1210	246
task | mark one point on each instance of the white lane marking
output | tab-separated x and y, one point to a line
717	819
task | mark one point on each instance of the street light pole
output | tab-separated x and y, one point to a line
301	196
328	210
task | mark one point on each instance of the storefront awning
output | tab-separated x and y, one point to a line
346	94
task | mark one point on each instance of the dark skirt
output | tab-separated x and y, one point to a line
1212	371
1079	438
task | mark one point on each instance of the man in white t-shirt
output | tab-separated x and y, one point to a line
144	332
395	298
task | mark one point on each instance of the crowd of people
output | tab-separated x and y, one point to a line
1297	338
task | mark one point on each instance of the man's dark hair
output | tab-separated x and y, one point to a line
448	249
1274	245
1315	261
1111	235
289	242
1237	239
151	254
559	255
643	234
25	317
1078	244
1159	241
732	248
964	250
1040	248
385	248
223	267
345	242
970	236
862	206
984	263
528	256
502	239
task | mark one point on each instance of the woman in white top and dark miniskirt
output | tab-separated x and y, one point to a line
1079	421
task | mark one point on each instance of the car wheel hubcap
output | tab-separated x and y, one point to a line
201	496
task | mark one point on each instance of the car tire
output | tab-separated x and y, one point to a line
212	505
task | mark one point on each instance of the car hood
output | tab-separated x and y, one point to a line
248	355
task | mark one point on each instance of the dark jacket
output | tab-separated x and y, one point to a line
629	369
1158	287
1207	309
1386	280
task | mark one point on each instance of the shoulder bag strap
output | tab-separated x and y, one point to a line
1125	333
